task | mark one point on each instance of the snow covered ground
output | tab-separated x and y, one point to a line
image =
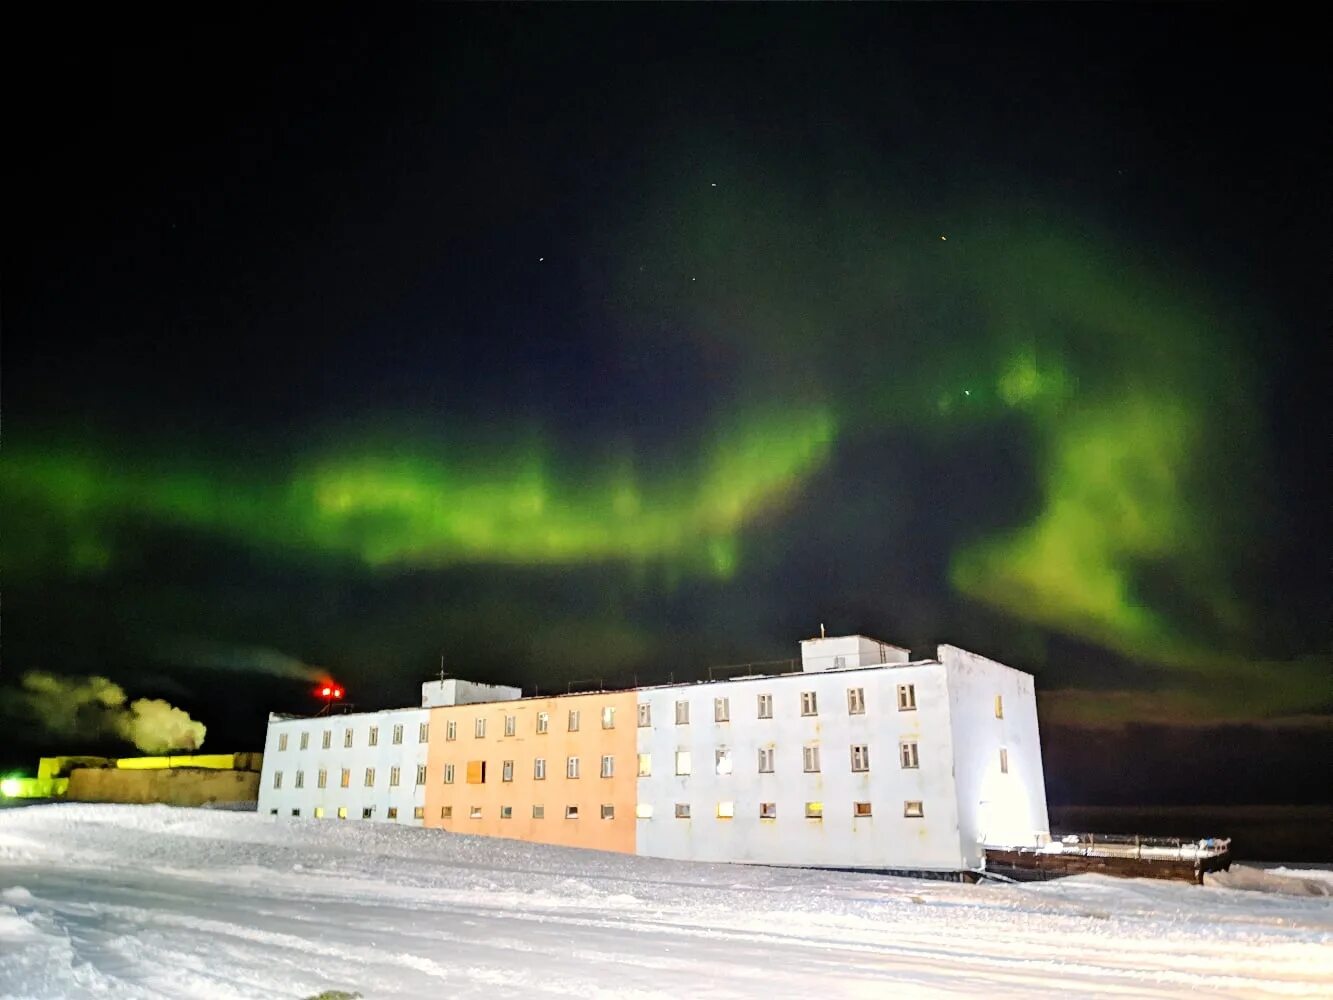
151	901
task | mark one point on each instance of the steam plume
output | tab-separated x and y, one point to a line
246	659
90	707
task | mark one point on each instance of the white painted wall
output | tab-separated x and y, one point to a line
406	797
886	839
840	652
995	808
453	691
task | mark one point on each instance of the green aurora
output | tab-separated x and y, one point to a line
1126	384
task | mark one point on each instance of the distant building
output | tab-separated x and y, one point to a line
367	765
862	758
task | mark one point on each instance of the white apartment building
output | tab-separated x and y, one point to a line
367	765
863	759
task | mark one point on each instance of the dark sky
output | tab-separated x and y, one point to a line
616	342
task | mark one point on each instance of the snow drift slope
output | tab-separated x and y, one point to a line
150	901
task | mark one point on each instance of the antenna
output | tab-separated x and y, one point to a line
441	668
821	630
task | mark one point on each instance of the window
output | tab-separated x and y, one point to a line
809	703
906	697
421	774
539	769
348	737
538	812
328	738
722	760
721	709
810	757
370	777
451	729
571	767
277	779
476	772
608	766
423	732
860	809
368	812
765	706
814	810
608	717
305	741
860	757
608	811
768	810
765	760
682	810
511	725
571	812
418	812
391	812
573	720
543	721
448	774
726	810
644	810
682	713
300	777
999	707
296	812
507	771
282	741
446	812
372	740
913	810
645	765
474	812
342	812
682	762
395	775
856	701
319	812
347	777
397	734
907	753
645	715
478	729
1004	765
323	779
506	812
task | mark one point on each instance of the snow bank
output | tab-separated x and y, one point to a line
150	901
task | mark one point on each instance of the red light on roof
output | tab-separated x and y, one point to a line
337	692
326	692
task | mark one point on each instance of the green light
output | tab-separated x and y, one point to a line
406	504
11	787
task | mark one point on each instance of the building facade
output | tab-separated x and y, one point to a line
367	765
859	758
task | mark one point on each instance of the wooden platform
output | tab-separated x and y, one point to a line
1119	856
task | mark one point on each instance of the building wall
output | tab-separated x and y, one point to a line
386	802
884	839
455	691
995	807
175	786
839	652
475	806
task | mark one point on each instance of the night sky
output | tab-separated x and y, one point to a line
613	343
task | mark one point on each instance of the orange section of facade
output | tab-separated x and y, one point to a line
495	788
